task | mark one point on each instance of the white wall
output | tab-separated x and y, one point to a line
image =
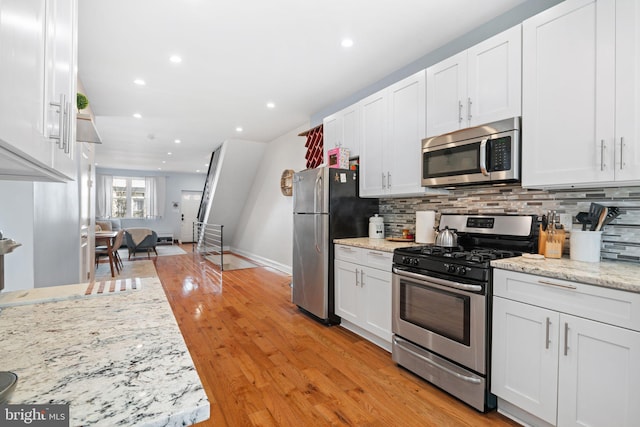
16	222
265	227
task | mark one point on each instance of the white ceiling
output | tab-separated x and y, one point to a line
237	55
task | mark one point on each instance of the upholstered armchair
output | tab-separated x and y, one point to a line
141	240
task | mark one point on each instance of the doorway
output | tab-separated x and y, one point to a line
189	205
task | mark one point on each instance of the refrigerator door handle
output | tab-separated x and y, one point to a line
316	224
317	192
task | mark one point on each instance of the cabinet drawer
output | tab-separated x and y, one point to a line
349	254
378	259
612	306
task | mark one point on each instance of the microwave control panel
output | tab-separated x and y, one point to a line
499	154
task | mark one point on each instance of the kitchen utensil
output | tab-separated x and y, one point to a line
594	214
583	218
603	216
8	382
612	214
447	238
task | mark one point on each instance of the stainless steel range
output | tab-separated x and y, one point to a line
442	302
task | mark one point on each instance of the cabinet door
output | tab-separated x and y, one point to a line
524	366
60	94
403	150
446	90
567	96
627	162
495	78
347	290
351	129
599	379
22	55
376	302
373	178
331	133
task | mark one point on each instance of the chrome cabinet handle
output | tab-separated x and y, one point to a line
388	179
547	341
602	147
383	186
483	157
469	108
362	278
566	338
621	157
67	129
61	115
558	285
459	112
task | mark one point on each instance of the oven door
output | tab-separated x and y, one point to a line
443	316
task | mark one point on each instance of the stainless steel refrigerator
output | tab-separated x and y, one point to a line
326	206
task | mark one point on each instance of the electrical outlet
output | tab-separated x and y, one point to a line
566	221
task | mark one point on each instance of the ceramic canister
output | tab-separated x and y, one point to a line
376	227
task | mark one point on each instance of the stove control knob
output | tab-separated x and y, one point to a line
462	270
451	268
415	261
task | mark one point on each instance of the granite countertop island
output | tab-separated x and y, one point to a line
609	274
375	244
117	358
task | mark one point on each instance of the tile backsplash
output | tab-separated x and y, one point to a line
620	239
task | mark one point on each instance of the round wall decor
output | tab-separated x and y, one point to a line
286	182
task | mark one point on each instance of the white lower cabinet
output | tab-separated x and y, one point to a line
554	366
363	292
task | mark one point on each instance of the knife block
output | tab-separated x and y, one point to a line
551	244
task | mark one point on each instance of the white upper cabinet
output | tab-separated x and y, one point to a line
342	130
22	55
393	125
581	95
37	53
60	95
477	86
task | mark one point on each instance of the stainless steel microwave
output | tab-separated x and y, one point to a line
483	154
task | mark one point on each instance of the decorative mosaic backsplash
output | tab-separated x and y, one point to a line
620	239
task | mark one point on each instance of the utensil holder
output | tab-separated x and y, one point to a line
585	245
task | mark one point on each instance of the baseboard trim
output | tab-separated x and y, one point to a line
262	260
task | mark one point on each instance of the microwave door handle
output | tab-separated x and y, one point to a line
483	157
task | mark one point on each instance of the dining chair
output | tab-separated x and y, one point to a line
104	250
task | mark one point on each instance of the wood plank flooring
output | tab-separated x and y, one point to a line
263	363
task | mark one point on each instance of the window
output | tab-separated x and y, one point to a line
128	198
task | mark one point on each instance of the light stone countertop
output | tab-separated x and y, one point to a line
375	244
116	359
609	274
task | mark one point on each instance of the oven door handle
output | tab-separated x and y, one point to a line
448	283
439	366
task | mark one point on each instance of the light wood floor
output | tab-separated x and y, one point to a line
263	363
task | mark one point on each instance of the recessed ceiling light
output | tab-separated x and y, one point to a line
169	153
239	129
271	105
206	165
159	169
140	82
164	161
347	43
137	115
197	170
175	59
177	141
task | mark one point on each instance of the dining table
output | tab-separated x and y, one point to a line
106	238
